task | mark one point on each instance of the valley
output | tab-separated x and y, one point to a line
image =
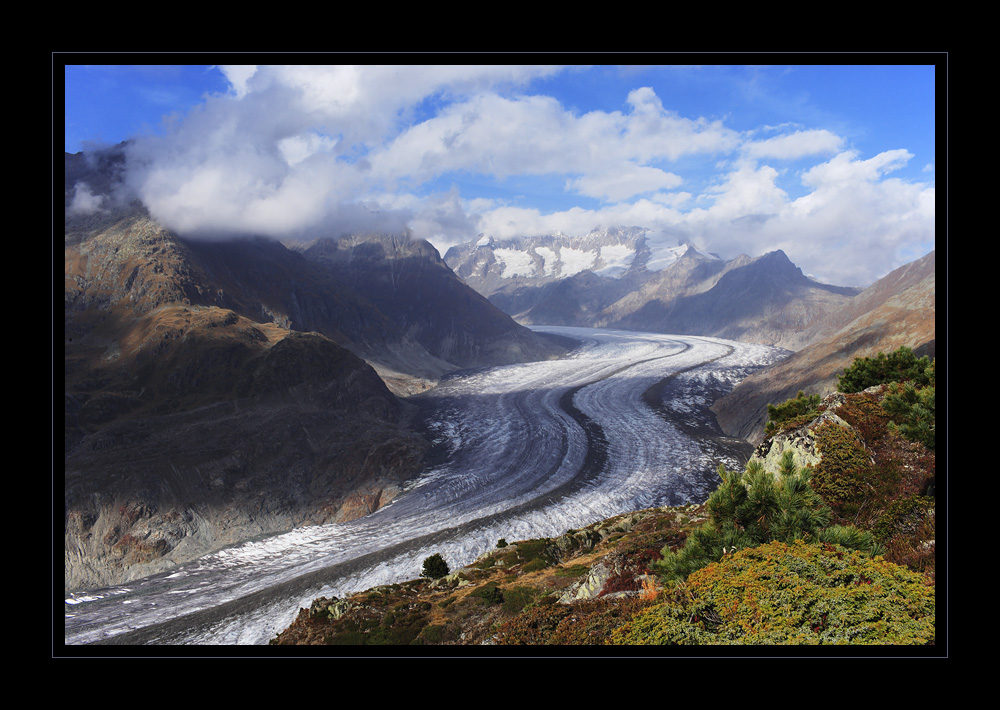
521	450
250	424
562	331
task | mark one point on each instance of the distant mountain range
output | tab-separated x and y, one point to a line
617	278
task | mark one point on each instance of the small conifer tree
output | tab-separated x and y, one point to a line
800	406
435	567
912	408
901	365
753	508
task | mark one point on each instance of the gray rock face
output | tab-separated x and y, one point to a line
589	587
800	441
332	608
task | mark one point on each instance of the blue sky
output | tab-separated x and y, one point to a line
834	164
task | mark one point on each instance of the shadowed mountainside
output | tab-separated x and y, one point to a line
220	390
189	425
410	284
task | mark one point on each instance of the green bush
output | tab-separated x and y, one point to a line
755	507
912	409
517	598
433	633
489	593
900	365
802	407
539	563
797	593
435	567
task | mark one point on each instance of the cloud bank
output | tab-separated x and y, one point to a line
295	152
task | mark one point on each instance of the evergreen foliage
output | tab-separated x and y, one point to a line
435	566
489	593
910	400
900	365
753	508
801	407
912	409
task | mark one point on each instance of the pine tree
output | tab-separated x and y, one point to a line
435	567
912	408
753	508
801	406
901	365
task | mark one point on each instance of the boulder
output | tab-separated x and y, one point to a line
589	587
801	440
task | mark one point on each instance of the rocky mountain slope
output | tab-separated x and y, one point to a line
594	586
409	283
897	310
189	425
598	585
216	391
617	278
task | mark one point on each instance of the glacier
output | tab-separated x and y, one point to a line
524	451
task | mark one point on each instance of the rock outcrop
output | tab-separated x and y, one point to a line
801	441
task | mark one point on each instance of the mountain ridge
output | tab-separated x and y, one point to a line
897	310
764	299
217	390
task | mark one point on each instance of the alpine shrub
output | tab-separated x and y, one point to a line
912	409
801	407
901	365
797	593
753	508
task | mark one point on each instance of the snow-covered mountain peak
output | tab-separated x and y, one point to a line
662	256
608	252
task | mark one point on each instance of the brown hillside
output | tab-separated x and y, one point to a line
897	310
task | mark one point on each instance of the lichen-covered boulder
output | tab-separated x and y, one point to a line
801	440
589	587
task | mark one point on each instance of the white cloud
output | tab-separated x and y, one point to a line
795	145
844	169
749	190
534	135
626	181
84	201
295	149
238	76
292	150
653	132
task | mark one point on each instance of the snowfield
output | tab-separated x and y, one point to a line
532	450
